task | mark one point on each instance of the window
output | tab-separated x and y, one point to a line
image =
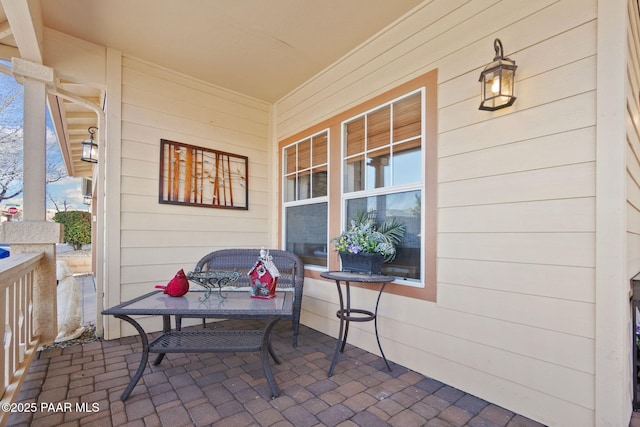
305	198
380	155
383	147
383	173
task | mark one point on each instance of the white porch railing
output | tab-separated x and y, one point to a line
17	276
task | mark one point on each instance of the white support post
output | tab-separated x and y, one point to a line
34	233
35	151
34	78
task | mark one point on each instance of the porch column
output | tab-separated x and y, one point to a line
34	233
34	77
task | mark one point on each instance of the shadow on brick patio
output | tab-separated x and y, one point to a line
81	385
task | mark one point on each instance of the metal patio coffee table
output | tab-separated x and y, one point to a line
235	305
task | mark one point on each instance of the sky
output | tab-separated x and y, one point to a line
67	188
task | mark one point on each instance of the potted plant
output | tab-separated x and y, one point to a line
364	247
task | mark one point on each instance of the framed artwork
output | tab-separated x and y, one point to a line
197	176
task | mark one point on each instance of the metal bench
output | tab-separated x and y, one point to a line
289	265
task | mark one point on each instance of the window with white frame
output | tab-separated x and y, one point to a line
383	158
305	180
383	172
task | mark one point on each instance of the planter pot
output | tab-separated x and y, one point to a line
361	263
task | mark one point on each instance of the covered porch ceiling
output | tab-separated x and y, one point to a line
263	49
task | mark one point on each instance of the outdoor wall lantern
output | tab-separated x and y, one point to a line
497	80
89	147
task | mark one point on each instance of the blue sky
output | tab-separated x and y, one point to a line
67	188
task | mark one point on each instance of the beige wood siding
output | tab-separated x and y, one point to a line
514	319
157	240
632	165
633	142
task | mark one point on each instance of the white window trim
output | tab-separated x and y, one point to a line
310	200
344	196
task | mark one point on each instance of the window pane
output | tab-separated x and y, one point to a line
378	169
319	150
407	121
306	228
319	184
304	186
304	155
290	159
407	166
290	188
379	128
354	134
405	207
302	180
354	174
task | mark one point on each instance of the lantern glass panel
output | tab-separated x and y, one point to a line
506	88
89	151
497	88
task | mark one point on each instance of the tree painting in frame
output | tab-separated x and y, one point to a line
197	176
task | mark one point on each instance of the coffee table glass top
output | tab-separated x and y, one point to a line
235	302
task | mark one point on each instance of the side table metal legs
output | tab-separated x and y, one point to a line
375	325
348	314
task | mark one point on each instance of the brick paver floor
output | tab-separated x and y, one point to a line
81	385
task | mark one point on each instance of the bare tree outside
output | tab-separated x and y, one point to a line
60	206
11	146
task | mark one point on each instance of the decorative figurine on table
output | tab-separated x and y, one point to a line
210	279
264	277
178	286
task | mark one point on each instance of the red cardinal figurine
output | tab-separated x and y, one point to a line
178	286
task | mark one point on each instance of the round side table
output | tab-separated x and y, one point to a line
347	314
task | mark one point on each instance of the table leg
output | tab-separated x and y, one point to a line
143	360
273	354
348	313
375	324
166	327
340	314
345	316
267	351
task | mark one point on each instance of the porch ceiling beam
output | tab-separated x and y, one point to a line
26	23
23	69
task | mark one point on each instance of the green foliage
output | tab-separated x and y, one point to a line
77	227
363	236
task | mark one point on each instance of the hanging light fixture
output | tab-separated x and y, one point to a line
89	147
497	80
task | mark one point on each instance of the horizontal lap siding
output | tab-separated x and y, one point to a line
159	239
633	144
633	159
514	319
